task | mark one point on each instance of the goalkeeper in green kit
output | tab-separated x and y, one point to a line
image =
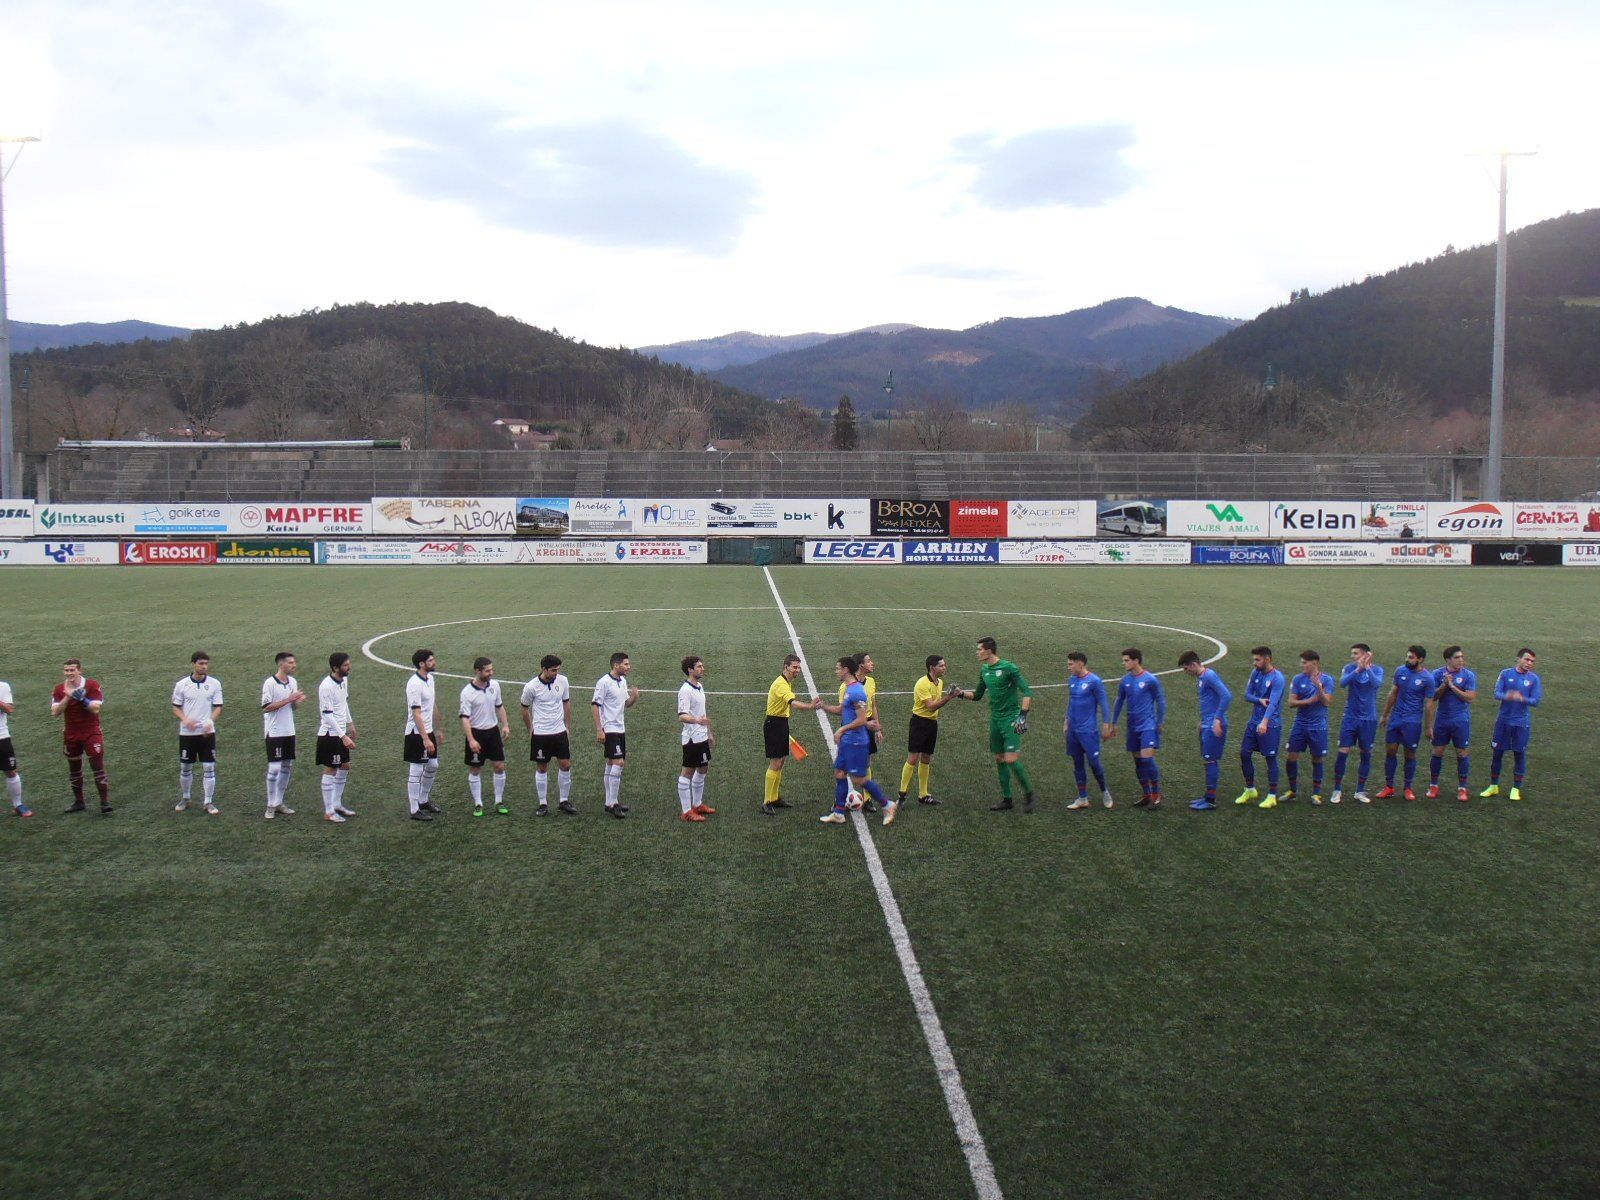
1010	698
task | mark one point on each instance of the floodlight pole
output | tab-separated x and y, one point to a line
8	484
1492	469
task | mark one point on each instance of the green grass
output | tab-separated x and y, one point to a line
1385	1001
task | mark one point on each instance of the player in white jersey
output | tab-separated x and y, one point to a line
336	737
613	696
483	720
421	747
197	703
694	731
547	716
280	696
8	754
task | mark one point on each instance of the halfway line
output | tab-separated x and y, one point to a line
955	1095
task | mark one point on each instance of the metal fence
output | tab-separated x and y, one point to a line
222	473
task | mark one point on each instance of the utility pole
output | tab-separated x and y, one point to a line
1492	470
888	394
8	484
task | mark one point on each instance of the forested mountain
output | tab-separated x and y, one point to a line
30	335
1043	362
361	369
1419	338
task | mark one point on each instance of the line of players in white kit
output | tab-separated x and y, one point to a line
546	704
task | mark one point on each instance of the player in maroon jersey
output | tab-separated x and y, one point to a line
79	700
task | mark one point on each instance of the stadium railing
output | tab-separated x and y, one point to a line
222	473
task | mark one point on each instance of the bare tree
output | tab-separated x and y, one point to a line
938	424
275	375
103	413
198	386
364	380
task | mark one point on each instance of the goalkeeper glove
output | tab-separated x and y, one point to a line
79	695
1021	723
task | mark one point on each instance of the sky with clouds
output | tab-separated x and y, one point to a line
637	173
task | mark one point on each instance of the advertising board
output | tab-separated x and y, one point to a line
596	515
670	516
1131	518
1516	554
1394	520
853	552
169	554
1377	554
275	554
979	518
1556	520
741	516
1050	519
350	553
659	550
64	520
1480	518
946	553
1315	519
300	519
1217	518
1143	554
543	517
16	518
60	554
1581	554
911	518
825	518
431	516
1236	556
1048	553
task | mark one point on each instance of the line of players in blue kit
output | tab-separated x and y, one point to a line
1420	704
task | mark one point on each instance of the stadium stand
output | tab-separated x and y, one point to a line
222	473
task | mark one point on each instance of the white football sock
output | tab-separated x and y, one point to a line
208	781
613	784
272	784
414	785
475	786
564	778
430	771
499	788
698	789
340	778
185	779
330	793
541	784
684	793
14	789
285	769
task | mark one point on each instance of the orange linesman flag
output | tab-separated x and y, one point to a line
796	750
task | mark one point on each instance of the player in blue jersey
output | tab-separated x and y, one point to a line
1311	696
1519	691
1359	726
1141	692
1455	687
1405	712
1214	700
852	760
1263	731
1088	709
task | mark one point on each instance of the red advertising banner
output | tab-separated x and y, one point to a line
984	519
169	554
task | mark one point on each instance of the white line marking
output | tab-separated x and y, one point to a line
366	647
955	1095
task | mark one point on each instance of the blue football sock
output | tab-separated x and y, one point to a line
1247	768
1366	769
1213	775
841	794
1411	771
1292	766
1520	758
1316	776
1389	761
1338	769
1494	765
1463	770
1435	765
874	791
1099	773
1153	773
1272	773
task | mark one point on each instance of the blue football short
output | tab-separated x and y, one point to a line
1314	740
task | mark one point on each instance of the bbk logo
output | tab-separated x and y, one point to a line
835	518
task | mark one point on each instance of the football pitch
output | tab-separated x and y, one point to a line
1394	1000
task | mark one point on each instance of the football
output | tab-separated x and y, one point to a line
853	800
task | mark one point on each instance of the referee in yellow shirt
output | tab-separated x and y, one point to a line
775	731
927	698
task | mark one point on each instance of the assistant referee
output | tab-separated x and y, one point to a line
775	731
